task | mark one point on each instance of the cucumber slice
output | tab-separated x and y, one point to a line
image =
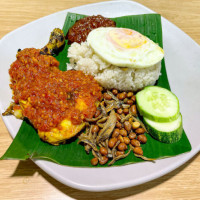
157	104
167	132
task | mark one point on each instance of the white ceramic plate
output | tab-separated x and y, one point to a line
182	62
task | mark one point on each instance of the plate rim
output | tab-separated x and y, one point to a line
43	165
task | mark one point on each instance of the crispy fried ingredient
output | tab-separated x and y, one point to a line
55	102
107	130
115	129
56	41
14	109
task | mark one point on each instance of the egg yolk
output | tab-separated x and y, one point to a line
126	38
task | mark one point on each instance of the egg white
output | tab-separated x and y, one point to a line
124	47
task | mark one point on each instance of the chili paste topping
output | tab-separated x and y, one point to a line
80	30
48	95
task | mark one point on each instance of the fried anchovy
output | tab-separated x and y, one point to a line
119	157
108	128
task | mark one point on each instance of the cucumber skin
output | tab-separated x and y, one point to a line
165	137
155	118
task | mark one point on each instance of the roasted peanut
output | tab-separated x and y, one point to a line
126	140
103	151
123	132
133	98
118	117
119	153
103	161
115	133
129	94
127	125
119	111
122	146
94	161
95	129
120	138
125	111
118	125
121	96
135	125
112	142
130	102
115	91
132	135
133	109
142	138
140	130
135	143
138	150
107	96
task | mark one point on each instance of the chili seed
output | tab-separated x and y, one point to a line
122	146
132	135
103	161
140	130
127	125
112	142
135	143
103	151
138	150
142	138
135	125
94	161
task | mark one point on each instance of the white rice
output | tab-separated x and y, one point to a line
109	76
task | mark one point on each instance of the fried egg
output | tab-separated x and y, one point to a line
124	47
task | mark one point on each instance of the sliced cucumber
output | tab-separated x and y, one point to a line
167	132
157	104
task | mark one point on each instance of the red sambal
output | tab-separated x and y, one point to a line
48	95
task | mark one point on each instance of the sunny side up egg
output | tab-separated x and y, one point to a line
124	47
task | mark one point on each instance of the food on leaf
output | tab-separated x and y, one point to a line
158	104
118	58
112	135
167	132
55	102
80	30
160	110
128	137
56	42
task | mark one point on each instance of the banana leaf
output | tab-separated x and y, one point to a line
27	143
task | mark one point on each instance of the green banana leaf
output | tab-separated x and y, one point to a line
27	143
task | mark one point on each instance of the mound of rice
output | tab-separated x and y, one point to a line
83	58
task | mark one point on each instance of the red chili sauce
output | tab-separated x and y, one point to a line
51	94
80	30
